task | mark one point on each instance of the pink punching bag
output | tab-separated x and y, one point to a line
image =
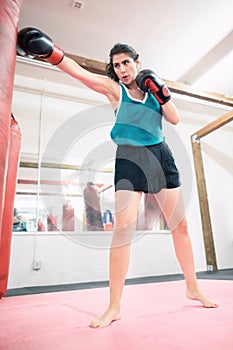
40	225
10	189
52	221
92	208
68	217
9	17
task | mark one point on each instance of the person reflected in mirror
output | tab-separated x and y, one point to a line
19	222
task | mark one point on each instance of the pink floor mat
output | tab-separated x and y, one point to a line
155	316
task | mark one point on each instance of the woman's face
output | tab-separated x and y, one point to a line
125	67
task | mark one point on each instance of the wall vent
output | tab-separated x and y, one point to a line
78	4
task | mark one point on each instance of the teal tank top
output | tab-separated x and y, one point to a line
138	123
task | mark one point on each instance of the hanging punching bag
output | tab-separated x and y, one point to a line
94	219
9	17
52	224
67	217
10	189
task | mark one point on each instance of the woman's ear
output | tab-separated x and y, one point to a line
138	64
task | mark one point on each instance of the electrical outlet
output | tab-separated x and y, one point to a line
36	265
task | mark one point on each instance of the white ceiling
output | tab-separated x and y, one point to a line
190	41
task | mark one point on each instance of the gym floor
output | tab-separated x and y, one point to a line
155	315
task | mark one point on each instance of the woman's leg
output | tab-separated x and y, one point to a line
126	214
172	206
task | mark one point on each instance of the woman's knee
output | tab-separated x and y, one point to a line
125	221
181	227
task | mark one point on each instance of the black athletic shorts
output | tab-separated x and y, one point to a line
146	169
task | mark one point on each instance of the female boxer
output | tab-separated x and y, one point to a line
144	162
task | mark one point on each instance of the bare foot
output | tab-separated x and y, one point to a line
106	319
197	295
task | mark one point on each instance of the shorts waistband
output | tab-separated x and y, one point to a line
143	146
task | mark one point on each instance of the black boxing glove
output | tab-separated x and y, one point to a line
33	43
147	79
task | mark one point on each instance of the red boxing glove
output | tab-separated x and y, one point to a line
33	43
147	79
